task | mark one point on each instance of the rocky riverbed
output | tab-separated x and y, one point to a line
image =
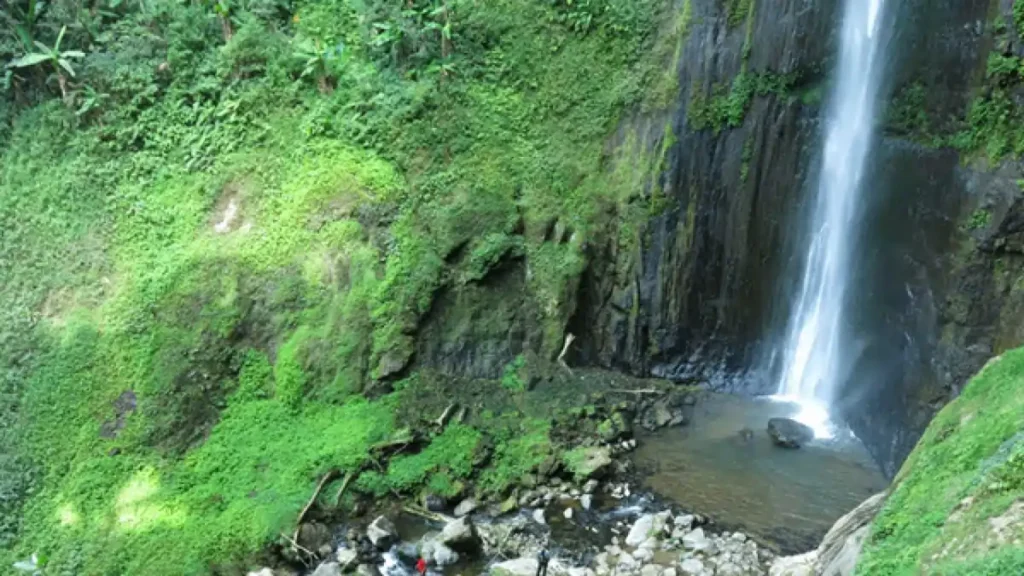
590	529
603	508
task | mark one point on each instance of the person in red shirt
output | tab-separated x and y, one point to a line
421	567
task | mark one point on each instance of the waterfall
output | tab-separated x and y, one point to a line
813	353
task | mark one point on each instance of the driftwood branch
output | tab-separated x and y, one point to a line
445	416
296	546
426	514
569	338
648	391
344	484
400	443
330	475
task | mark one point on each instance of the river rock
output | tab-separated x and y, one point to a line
696	541
314	536
642	528
627	563
466	507
382	533
591	462
527	497
508	505
511	539
616	426
367	570
459	534
517	567
328	569
643	555
692	567
586	501
802	565
443	555
669	572
685	521
567	513
581	571
789	433
434	503
347	558
263	572
538	516
651	570
661	520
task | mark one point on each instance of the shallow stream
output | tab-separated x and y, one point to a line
786	498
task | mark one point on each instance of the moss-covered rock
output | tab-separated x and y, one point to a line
589	462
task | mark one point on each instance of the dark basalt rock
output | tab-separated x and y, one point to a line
789	433
435	503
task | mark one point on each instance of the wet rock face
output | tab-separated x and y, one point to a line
693	292
930	309
382	533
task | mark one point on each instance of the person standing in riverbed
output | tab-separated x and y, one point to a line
543	557
421	567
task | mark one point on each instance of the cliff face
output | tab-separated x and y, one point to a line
694	295
700	286
706	293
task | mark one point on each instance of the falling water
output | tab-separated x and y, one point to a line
813	352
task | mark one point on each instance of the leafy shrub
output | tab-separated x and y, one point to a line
519	448
448	459
255	380
511	376
289	374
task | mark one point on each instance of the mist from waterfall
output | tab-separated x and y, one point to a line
813	355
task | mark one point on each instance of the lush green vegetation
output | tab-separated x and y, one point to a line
223	222
965	472
993	125
727	106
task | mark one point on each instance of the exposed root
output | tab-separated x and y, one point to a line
331	475
344	485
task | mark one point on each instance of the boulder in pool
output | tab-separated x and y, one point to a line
789	433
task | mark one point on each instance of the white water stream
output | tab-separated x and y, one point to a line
813	353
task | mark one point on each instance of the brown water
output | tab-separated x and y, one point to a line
786	498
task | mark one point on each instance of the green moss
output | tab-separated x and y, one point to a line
518	451
585	462
726	107
441	465
222	503
979	219
289	376
512	375
256	378
969	451
737	11
993	123
748	154
1018	18
908	116
669	50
